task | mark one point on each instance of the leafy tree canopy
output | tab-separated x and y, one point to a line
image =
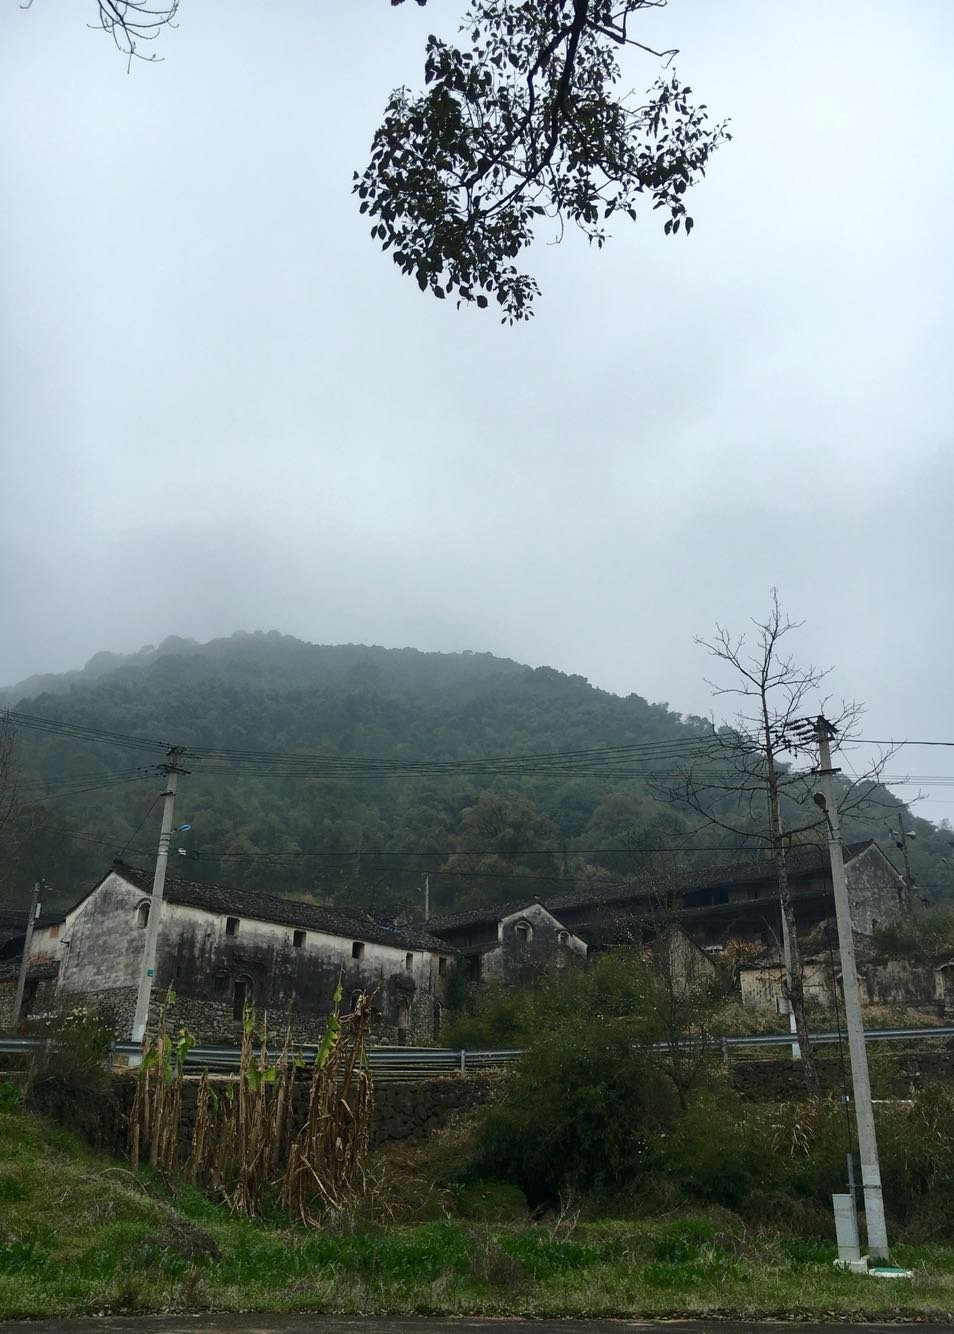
522	122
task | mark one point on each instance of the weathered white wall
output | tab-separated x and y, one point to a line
101	946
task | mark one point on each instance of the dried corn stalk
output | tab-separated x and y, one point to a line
247	1141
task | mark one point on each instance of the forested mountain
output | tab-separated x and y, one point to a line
413	777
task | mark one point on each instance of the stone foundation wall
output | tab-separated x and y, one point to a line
43	1000
212	1022
411	1110
893	1074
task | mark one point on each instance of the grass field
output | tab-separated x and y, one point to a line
81	1233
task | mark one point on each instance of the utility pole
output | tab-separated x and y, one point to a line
427	898
171	770
902	843
25	960
860	1080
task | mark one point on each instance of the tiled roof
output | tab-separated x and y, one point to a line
224	900
801	861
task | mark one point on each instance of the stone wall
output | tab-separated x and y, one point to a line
37	999
410	1110
893	1075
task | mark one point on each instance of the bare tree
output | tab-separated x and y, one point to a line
744	771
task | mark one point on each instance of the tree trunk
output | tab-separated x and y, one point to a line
794	989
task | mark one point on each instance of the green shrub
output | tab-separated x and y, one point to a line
581	1111
718	1151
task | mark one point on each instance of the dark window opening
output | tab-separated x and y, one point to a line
298	939
564	937
142	915
231	926
441	966
355	997
357	949
241	996
29	996
524	931
409	961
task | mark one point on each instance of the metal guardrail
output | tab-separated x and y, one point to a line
385	1062
429	1062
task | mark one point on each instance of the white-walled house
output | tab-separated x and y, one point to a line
220	948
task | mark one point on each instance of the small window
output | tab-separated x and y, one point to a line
564	937
441	966
524	931
142	914
231	926
298	939
355	997
357	949
409	962
54	931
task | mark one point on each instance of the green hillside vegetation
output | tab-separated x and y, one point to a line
367	842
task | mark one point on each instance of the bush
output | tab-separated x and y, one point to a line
580	1112
719	1152
70	1078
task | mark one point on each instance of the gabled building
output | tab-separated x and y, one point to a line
739	901
710	908
509	944
220	949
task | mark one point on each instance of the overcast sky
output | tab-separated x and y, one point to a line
222	407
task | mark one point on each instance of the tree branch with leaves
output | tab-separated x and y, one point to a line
525	123
522	123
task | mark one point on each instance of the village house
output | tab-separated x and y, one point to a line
713	908
220	949
509	944
739	901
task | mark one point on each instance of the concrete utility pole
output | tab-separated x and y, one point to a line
427	898
860	1080
902	842
25	960
141	1018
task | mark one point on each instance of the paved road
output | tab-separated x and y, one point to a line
316	1324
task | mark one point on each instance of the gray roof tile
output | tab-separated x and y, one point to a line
288	912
